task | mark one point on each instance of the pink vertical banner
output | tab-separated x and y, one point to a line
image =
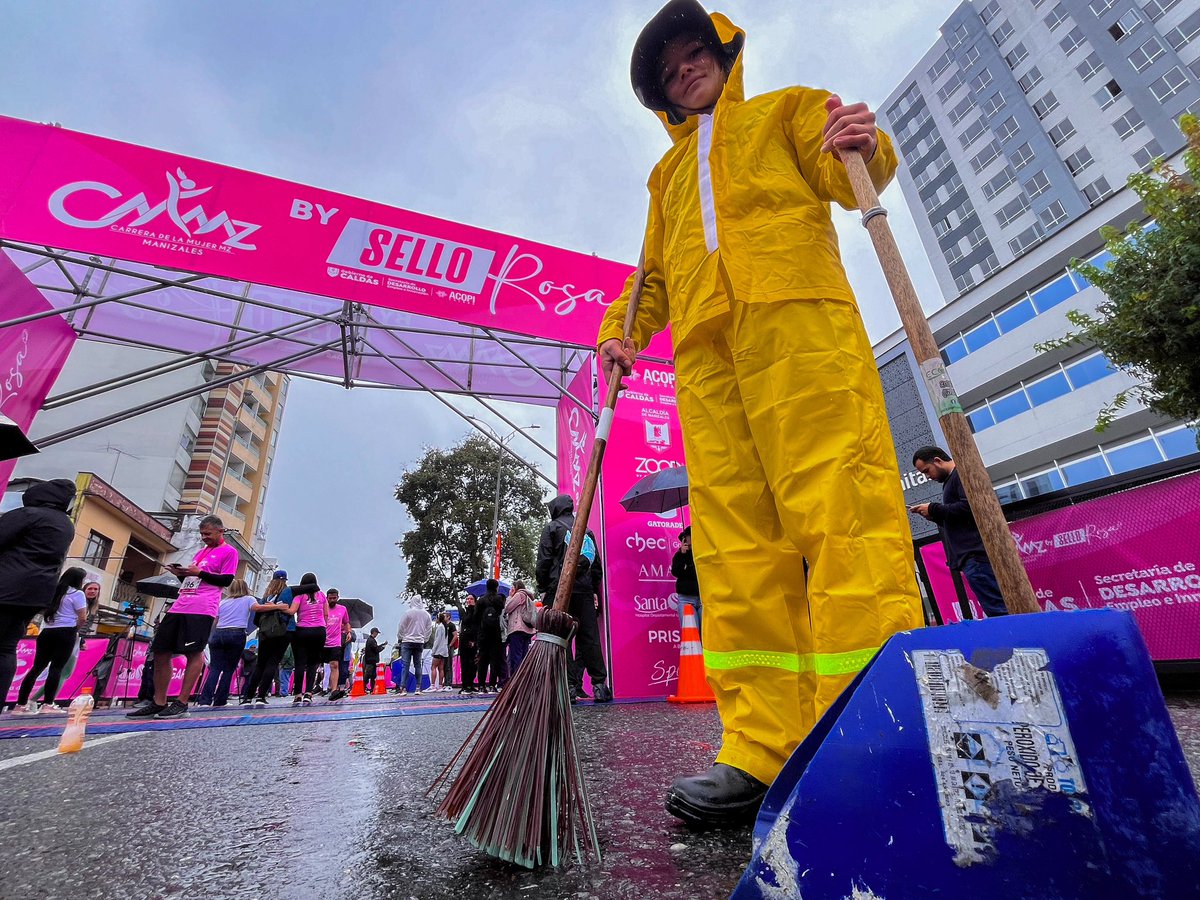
642	605
31	355
942	583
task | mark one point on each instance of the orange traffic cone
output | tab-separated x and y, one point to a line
693	686
357	689
380	679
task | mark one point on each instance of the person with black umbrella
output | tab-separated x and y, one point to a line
33	545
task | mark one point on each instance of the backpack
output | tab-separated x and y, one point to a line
489	622
529	612
272	623
587	556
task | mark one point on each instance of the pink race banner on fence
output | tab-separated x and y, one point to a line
80	673
937	569
74	191
31	355
642	605
1136	550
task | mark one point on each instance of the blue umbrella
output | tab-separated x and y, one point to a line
664	490
479	588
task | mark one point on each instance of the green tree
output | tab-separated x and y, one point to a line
1149	322
450	496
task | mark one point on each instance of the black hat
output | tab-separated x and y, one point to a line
676	18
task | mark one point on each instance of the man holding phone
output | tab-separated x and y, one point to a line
185	629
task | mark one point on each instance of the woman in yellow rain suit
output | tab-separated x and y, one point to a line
786	436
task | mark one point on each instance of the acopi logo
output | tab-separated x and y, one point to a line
179	188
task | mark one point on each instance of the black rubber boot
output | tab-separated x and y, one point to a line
721	796
602	693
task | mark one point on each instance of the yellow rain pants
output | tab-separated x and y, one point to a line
790	458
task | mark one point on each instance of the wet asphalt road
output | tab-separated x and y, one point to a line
337	809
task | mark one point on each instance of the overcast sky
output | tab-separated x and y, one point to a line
513	116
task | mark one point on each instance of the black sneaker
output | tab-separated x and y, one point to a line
260	702
336	695
245	701
173	710
296	700
307	701
602	693
147	710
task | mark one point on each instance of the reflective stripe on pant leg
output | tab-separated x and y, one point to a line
824	664
751	577
815	407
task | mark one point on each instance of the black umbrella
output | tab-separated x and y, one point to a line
663	491
165	585
359	611
13	442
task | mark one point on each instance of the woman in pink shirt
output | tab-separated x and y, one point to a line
337	632
309	606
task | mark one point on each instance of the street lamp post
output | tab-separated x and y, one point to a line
500	442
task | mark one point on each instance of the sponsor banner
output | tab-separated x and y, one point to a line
125	680
1134	550
31	355
79	192
80	670
937	569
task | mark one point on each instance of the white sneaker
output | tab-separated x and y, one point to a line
29	709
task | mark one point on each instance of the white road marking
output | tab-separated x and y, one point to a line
50	754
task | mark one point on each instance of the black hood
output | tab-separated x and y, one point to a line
56	494
561	505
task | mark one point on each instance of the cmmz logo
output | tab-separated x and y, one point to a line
191	222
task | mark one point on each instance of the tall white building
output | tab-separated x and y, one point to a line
1017	131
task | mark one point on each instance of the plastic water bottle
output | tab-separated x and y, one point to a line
77	716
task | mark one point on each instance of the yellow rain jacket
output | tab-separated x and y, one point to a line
790	458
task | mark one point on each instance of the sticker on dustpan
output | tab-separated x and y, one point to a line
998	739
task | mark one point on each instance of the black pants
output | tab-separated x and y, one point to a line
270	655
54	646
308	646
491	659
467	649
584	653
370	670
13	622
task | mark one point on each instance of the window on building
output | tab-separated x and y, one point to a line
942	227
1016	315
1156	9
1009	405
961	110
957	35
1022	156
1046	105
1089	66
1009	493
97	550
972	133
1026	239
1133	455
1038	184
187	440
1012	210
1007	129
1051	387
990	11
932	202
1035	485
980	419
1128	124
994	104
989	265
1016	55
1050	295
178	477
1099	6
953	84
1108	94
1125	26
1177	442
1145	157
1062	132
1085	469
976	237
1053	214
1030	79
953	254
1097	191
985	157
965	281
940	65
1056	16
999	182
1079	160
1169	84
981	335
954	351
981	81
1002	33
1073	41
972	56
1143	56
1088	370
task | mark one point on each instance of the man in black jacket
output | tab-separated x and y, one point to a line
370	660
468	645
964	546
488	613
683	567
33	545
585	597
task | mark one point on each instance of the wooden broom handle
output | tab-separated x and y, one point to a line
583	509
989	518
